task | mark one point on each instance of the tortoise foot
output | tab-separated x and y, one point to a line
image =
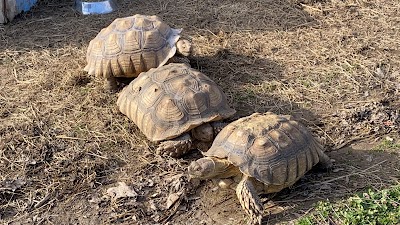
250	200
175	147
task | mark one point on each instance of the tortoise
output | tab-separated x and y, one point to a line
177	107
260	153
131	45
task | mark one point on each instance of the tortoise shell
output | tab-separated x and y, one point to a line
166	102
131	45
271	148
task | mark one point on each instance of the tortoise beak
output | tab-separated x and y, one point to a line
194	170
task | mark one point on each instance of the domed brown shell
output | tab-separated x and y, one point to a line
131	45
166	102
271	148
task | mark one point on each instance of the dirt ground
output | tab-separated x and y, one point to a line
333	64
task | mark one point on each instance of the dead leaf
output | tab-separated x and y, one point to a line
172	198
121	191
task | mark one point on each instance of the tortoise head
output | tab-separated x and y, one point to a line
204	132
211	167
184	47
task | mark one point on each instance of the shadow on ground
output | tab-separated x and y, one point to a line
252	83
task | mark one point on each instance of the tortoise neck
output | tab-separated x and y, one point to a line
224	168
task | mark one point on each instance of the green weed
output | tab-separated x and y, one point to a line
369	208
387	145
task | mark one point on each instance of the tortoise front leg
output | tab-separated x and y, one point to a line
175	147
250	200
110	83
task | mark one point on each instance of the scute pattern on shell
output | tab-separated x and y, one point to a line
271	148
167	101
131	45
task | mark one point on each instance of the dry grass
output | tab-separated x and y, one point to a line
63	142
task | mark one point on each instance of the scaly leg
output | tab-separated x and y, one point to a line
175	147
250	200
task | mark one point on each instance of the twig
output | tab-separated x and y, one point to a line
72	138
310	7
96	155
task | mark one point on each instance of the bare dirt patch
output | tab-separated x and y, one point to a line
332	64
